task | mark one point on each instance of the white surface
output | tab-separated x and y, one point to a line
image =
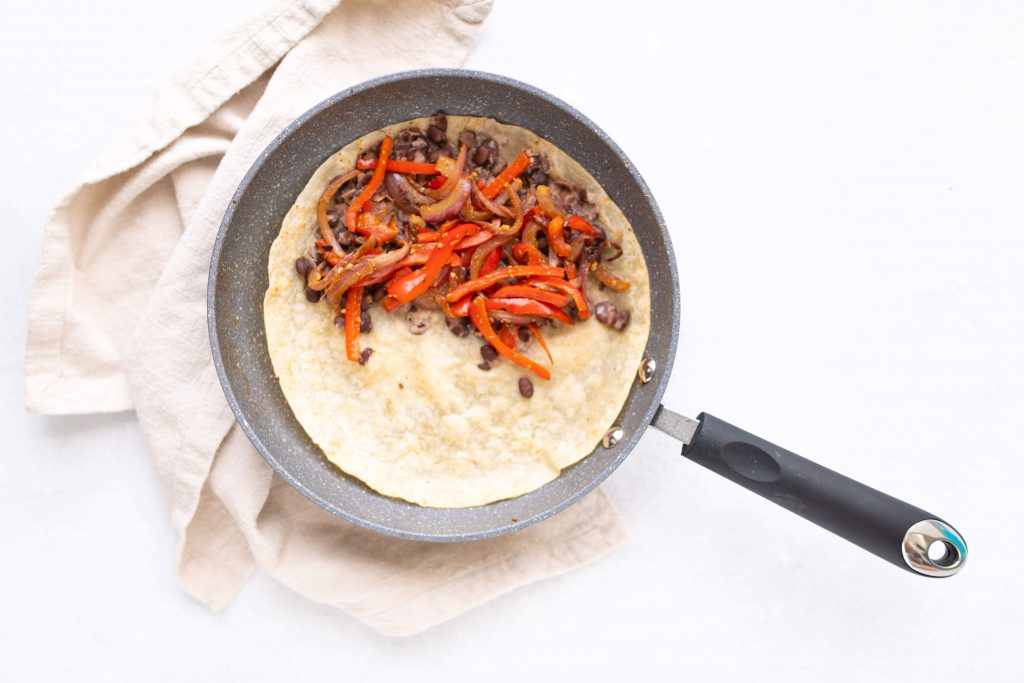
844	187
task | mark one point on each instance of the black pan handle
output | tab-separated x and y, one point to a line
905	535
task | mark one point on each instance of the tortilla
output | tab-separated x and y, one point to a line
420	421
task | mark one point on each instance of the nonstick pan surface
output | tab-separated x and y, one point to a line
896	531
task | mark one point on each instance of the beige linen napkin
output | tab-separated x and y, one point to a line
117	322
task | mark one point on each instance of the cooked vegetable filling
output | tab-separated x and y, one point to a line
424	223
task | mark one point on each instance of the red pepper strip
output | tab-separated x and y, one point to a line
522	251
399	166
492	261
389	303
485	281
428	236
568	288
352	215
527	292
570	271
543	344
353	317
369	225
480	184
474	240
420	257
412	285
529	307
332	257
478	314
608	280
460	309
556	237
508	335
581	224
511	172
437	182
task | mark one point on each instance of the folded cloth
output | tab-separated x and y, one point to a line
118	322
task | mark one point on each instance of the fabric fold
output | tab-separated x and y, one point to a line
118	321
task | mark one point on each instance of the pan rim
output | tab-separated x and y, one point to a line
625	446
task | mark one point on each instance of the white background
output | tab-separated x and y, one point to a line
844	183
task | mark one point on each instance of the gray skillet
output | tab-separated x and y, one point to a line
895	531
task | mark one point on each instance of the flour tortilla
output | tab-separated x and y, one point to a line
420	421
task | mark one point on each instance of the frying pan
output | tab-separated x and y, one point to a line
900	533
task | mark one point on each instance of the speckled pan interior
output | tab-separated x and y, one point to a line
238	280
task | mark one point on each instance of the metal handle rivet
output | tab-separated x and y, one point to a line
612	436
646	370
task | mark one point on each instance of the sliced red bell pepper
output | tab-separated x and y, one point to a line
474	240
529	307
353	318
581	224
528	253
399	166
332	257
509	334
556	237
460	309
543	344
416	283
389	303
491	262
437	182
527	292
478	314
570	271
485	281
510	173
370	225
567	287
352	215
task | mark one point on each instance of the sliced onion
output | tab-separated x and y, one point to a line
489	205
385	264
517	212
483	251
348	278
530	233
403	194
448	207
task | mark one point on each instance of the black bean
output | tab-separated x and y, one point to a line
339	320
367	301
467	138
365	355
379	293
489	352
498	166
312	296
524	334
345	238
440	120
434	154
484	366
525	387
332	218
457	326
436	135
605	312
621	320
303	266
365	322
481	155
